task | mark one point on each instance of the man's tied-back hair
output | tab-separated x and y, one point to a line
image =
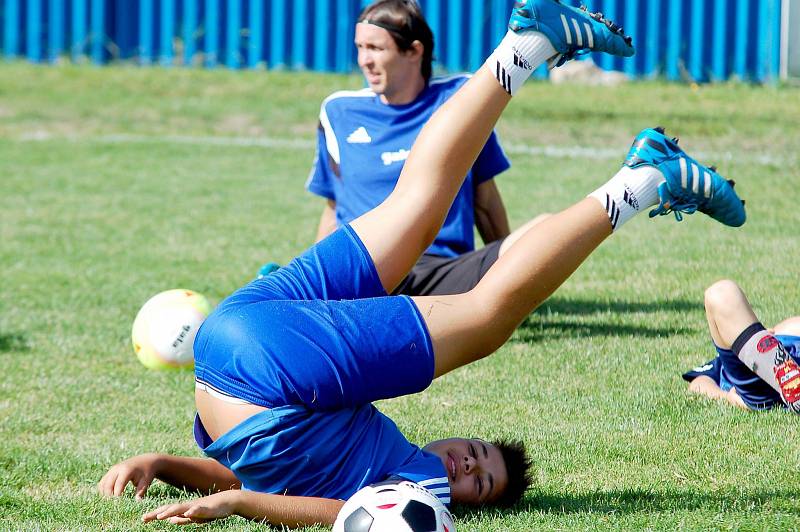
404	21
518	467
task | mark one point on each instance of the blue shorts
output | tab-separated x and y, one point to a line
730	372
320	332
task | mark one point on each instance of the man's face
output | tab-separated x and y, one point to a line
475	468
386	69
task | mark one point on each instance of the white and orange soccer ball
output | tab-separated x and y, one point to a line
165	327
396	506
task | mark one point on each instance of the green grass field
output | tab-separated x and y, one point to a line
118	183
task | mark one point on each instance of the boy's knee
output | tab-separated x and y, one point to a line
721	294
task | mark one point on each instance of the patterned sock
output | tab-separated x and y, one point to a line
517	56
629	192
767	358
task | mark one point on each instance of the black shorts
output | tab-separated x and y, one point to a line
434	275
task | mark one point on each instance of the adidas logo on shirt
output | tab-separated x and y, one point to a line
359	136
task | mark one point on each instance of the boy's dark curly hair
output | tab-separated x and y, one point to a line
518	467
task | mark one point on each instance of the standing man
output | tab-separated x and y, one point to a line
365	136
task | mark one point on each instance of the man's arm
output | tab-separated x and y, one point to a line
278	510
490	213
195	474
327	222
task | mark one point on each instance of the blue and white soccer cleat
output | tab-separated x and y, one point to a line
689	185
267	269
571	31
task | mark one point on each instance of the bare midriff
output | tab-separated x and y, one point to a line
219	416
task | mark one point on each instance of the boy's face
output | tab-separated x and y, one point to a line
386	69
475	468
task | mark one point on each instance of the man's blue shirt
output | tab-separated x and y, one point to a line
363	144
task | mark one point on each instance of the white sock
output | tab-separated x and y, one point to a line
517	56
631	191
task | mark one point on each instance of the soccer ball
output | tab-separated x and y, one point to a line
165	327
394	506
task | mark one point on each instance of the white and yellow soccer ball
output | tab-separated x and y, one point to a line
165	327
396	506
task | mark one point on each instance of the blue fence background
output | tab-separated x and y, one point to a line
701	40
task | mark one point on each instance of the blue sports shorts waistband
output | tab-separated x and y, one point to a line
226	385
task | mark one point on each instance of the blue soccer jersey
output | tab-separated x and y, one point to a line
729	372
293	450
363	144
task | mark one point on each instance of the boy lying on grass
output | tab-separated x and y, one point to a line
742	343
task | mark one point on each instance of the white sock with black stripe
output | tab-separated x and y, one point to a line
517	56
629	192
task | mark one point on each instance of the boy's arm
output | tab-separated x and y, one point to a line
705	385
278	510
196	474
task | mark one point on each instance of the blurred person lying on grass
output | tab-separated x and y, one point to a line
755	368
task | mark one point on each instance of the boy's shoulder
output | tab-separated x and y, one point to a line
428	471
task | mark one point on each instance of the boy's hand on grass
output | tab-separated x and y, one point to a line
139	471
200	510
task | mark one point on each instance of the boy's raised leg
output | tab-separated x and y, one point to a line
469	326
397	232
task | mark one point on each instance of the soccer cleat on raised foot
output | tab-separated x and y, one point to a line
689	186
572	31
267	269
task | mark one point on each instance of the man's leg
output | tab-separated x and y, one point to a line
400	229
511	239
435	276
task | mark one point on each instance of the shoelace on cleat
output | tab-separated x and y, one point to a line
678	209
674	204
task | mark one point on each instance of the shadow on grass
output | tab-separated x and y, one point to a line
583	307
631	502
535	331
13	342
571	319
